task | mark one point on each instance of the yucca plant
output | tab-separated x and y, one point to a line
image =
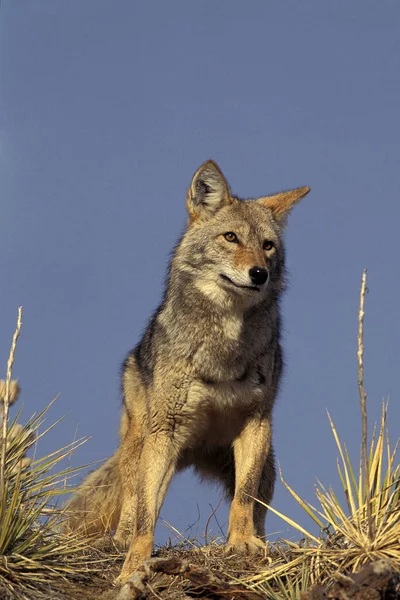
36	558
363	528
290	586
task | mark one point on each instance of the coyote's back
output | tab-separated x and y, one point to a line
199	388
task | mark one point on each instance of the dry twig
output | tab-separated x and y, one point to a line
6	400
363	400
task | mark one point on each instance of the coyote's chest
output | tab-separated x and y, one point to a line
218	410
222	352
224	397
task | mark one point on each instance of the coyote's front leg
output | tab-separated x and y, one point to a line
250	451
129	458
156	467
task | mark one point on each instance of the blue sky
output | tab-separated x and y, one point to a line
107	109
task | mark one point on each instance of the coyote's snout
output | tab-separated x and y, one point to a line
253	280
199	388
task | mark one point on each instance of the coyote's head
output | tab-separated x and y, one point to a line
233	249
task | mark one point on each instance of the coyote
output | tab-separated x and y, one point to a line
199	388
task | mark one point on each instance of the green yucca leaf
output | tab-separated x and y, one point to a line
355	487
343	482
349	495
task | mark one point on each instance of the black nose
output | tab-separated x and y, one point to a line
258	275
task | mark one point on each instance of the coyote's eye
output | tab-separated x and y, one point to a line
231	237
268	245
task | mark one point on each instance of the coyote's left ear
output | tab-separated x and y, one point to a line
208	192
281	204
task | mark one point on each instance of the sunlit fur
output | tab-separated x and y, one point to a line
199	388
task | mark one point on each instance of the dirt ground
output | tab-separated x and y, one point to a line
205	572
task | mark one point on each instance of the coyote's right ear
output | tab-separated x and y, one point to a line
208	192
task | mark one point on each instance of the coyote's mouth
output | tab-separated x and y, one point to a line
246	287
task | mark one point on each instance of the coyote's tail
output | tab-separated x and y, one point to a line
95	508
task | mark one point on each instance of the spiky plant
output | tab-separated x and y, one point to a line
289	586
36	559
32	550
345	544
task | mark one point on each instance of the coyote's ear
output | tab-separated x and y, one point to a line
208	192
281	204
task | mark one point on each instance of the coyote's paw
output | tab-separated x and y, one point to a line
247	545
107	543
122	543
138	553
128	572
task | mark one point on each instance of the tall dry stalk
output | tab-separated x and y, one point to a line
6	400
363	400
